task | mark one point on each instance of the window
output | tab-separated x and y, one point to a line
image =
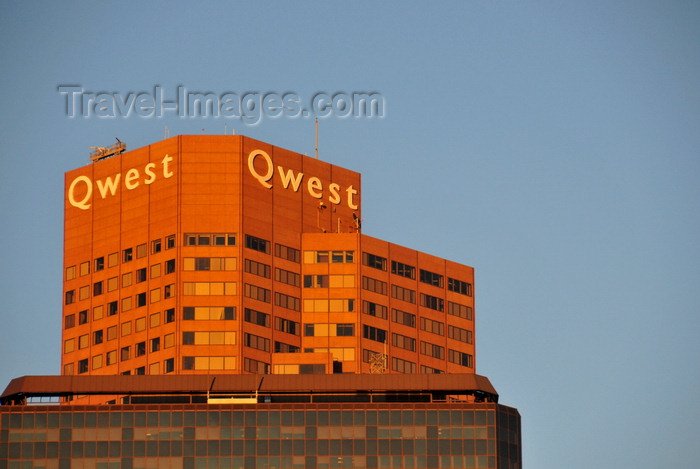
461	311
281	347
155	344
210	239
97	312
315	281
345	330
141	275
401	341
323	257
426	370
69	321
169	290
155	295
402	317
257	293
286	325
111	357
432	350
125	353
141	299
127	254
206	313
403	270
126	304
285	252
457	333
84	268
403	294
141	251
113	259
169	315
431	302
374	285
140	324
257	244
374	333
285	276
460	358
83	341
112	284
155	271
169	266
374	309
374	261
431	278
208	288
97	288
254	366
287	301
155	320
140	370
257	317
84	292
68	345
154	368
458	286
431	326
156	246
99	264
126	279
70	272
256	342
170	242
70	297
402	366
112	308
112	333
257	268
83	317
97	337
126	328
169	365
141	349
83	366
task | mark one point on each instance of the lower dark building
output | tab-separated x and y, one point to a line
254	421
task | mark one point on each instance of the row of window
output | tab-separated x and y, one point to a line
210	239
409	271
112	284
83	317
124	354
127	255
329	330
404	366
329	281
326	257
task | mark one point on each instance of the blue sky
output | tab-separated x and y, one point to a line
554	146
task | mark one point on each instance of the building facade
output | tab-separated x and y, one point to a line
204	254
223	309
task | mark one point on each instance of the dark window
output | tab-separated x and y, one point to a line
156	246
402	317
403	270
257	268
374	261
459	286
286	325
257	317
140	370
431	278
97	288
83	317
434	327
140	300
69	321
98	337
432	302
374	309
127	254
125	353
256	342
155	344
254	366
169	266
432	350
170	242
140	349
374	285
287	301
402	366
285	252
401	341
461	311
141	275
403	294
461	358
257	293
457	333
315	281
281	347
99	264
169	365
169	315
374	333
70	297
345	330
257	244
112	308
83	366
285	276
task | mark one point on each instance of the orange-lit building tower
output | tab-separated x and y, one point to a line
223	254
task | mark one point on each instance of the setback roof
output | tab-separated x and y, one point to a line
36	386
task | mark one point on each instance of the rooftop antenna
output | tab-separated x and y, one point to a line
166	134
316	125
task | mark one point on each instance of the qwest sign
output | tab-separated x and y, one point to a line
108	186
295	180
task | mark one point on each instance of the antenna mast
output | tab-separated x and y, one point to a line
316	125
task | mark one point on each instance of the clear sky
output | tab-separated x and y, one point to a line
554	146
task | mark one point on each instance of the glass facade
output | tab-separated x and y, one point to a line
274	436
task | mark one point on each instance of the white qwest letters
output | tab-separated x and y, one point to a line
109	185
293	180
